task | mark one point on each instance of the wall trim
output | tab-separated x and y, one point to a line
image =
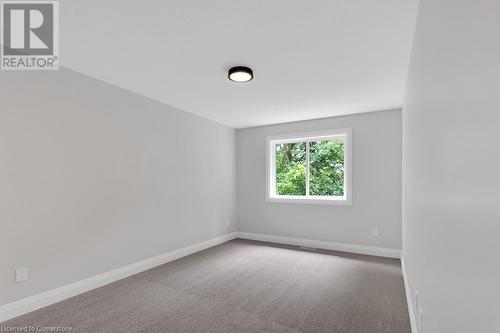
344	247
32	303
46	298
409	300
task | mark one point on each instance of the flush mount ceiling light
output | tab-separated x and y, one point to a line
240	74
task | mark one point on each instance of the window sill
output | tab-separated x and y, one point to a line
318	201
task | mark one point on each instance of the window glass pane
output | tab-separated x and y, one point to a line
326	167
291	168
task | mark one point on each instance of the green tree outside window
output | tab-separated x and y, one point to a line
326	168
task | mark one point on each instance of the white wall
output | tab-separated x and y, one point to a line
451	142
93	177
376	192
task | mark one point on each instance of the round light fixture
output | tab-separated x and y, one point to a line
240	74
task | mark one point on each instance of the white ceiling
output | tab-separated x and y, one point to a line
311	59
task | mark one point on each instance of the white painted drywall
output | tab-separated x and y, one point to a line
310	59
451	143
93	177
376	181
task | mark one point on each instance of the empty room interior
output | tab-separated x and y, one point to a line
250	166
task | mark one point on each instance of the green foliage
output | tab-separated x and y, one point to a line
291	169
326	168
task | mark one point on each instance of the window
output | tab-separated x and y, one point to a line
310	168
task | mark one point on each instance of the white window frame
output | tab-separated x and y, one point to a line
308	137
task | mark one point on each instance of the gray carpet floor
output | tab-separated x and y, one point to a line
243	286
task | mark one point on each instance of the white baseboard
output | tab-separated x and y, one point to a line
344	247
49	297
409	300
